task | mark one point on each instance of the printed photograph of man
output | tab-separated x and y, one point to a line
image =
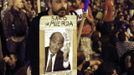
55	58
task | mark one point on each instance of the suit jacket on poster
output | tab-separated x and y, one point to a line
58	61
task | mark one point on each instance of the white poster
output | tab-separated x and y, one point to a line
58	37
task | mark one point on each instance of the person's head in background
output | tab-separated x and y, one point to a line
132	24
87	29
57	7
121	36
56	42
18	4
78	3
96	36
128	62
7	4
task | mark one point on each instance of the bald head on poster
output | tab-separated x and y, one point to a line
55	59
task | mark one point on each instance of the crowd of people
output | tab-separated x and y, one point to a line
106	44
110	31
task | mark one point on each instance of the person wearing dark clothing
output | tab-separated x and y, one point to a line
108	17
15	29
82	65
56	7
96	42
32	43
127	62
109	51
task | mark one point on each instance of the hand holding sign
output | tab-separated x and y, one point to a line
66	51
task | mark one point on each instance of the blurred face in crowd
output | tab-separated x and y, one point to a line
78	3
18	4
58	7
114	72
56	42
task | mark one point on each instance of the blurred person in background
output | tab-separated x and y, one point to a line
96	42
108	68
130	4
129	62
15	29
7	4
123	44
28	9
83	64
109	12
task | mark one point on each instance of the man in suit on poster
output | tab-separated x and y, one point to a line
55	59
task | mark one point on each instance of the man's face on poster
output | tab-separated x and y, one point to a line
59	7
56	43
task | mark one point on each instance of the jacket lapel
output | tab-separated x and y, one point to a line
46	56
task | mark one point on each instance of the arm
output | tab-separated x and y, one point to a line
7	25
7	29
105	10
11	60
66	63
